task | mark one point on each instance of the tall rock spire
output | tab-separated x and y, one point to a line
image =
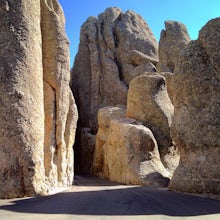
33	140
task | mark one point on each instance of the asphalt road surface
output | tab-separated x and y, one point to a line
95	199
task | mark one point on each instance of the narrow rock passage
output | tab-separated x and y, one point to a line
92	198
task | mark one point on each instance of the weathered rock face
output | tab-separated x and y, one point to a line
60	108
114	48
21	109
148	102
127	151
105	115
196	120
172	40
37	110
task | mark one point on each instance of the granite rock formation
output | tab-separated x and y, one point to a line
60	109
126	151
114	48
148	102
196	121
105	116
172	41
37	110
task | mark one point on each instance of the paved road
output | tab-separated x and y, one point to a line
95	199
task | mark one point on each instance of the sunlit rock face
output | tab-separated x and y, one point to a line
196	121
37	110
127	151
173	40
115	47
133	143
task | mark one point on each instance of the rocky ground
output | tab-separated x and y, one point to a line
92	198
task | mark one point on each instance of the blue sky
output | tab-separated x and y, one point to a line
193	13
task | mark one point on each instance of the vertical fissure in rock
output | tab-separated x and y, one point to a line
116	40
99	74
50	149
120	71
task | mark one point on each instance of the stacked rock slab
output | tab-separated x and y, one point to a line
114	48
148	102
126	151
196	121
32	144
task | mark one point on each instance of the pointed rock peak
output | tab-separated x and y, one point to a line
209	36
176	29
110	14
112	10
172	41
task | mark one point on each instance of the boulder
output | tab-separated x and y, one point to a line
37	110
106	62
105	115
148	102
196	121
173	39
126	151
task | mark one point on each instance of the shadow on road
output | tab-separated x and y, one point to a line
123	202
90	180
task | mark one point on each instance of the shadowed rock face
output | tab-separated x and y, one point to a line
196	120
173	39
37	110
148	102
114	48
